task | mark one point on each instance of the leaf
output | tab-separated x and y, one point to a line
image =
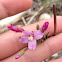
38	27
47	35
22	52
40	41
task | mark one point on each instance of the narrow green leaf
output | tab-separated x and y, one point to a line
38	27
47	35
40	41
22	52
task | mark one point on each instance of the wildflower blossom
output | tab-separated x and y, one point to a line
31	38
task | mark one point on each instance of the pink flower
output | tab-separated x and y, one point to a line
17	29
31	38
17	57
45	26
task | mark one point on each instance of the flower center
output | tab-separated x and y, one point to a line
31	37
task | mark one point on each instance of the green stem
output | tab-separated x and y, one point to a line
22	52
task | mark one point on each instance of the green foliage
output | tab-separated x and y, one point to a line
47	35
43	38
47	1
39	41
22	52
38	27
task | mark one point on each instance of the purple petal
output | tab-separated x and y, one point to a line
32	44
45	26
27	33
24	39
38	34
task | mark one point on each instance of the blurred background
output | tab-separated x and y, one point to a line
41	10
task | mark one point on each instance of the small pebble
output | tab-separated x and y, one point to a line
44	16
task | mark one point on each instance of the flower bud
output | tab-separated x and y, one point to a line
17	57
16	29
45	26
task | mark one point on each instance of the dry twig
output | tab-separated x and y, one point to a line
41	9
24	21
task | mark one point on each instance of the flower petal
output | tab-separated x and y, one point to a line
27	33
24	39
32	44
38	34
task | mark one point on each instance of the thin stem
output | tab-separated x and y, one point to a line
26	49
54	12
